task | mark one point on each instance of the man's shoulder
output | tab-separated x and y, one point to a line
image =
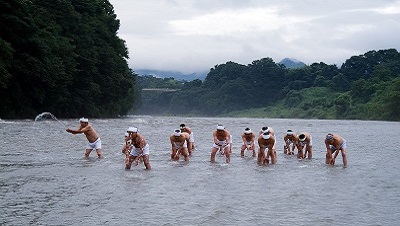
89	127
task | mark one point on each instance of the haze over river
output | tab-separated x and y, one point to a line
44	179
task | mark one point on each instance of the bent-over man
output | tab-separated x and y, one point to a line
304	142
221	142
290	139
335	143
248	138
140	149
179	141
266	143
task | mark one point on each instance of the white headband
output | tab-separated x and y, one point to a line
83	120
329	137
177	133
132	130
266	136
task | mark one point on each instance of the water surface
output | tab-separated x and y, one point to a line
46	181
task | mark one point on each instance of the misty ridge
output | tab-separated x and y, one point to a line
288	62
364	87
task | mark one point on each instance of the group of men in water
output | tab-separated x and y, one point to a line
182	144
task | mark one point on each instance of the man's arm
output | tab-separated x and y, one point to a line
74	131
337	147
294	144
253	137
327	146
244	139
271	145
228	137
79	130
259	142
141	146
215	137
172	143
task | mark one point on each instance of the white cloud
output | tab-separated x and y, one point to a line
234	22
193	35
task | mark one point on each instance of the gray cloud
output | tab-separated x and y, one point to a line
194	35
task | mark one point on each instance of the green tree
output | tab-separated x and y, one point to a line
387	102
66	58
342	104
363	66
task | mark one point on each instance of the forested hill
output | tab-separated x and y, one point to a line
63	56
364	87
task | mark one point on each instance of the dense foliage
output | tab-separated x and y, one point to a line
365	87
63	56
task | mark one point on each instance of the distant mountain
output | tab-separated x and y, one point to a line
288	62
172	74
292	63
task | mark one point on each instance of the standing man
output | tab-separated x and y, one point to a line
91	136
186	129
179	143
304	140
140	149
290	138
248	138
335	143
221	142
266	143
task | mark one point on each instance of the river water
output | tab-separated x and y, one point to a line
46	181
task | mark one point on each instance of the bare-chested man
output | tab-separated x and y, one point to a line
179	141
140	149
335	143
221	142
248	138
91	135
304	141
186	129
266	143
290	138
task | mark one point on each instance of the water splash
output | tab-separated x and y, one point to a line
47	115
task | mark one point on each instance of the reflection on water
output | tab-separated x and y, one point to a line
46	181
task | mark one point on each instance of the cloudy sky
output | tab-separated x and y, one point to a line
195	35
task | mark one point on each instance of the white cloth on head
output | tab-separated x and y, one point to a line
83	120
132	130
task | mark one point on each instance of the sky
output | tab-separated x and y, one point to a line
192	36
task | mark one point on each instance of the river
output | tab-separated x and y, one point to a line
46	181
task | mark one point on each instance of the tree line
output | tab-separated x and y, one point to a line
63	56
364	87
